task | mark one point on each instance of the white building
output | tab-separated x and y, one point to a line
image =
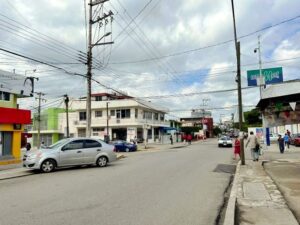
126	117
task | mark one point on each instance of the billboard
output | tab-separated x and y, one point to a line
15	84
271	76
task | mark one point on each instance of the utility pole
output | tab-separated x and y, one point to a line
107	120
90	59
261	78
40	99
204	103
238	79
261	85
66	98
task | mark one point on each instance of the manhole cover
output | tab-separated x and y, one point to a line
225	168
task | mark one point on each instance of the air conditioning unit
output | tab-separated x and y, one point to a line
118	121
75	122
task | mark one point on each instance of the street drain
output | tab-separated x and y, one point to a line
225	168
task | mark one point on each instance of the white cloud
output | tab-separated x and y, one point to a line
171	26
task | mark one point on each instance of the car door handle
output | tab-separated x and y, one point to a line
79	151
98	150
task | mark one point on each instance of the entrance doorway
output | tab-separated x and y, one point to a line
119	134
6	143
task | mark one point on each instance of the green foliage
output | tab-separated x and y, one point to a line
252	119
217	131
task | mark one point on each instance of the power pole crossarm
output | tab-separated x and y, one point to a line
103	17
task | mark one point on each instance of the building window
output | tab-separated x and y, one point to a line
112	112
162	117
98	98
82	116
98	113
98	129
156	116
136	113
123	113
147	115
4	96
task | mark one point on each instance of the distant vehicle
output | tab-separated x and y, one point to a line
70	152
273	137
123	146
295	139
225	142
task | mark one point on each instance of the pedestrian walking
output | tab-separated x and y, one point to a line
288	133
281	144
28	146
237	148
286	141
253	144
171	139
189	138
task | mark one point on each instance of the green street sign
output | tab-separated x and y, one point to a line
271	75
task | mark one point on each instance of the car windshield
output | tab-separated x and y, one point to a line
57	144
225	138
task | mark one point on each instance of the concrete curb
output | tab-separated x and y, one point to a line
230	210
13	173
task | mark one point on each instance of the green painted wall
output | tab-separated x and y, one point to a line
55	138
53	117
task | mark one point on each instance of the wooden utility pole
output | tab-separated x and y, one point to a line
107	121
90	58
66	98
238	79
39	98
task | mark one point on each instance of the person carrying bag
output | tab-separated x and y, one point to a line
254	146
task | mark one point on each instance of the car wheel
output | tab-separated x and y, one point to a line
102	161
127	149
48	166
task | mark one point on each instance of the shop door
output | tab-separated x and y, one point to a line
6	143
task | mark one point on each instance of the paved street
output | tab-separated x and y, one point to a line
176	186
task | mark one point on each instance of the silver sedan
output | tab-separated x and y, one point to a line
70	152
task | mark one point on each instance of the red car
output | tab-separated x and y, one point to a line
295	139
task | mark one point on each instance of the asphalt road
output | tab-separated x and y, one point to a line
168	187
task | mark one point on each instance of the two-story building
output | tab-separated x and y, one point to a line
119	116
12	119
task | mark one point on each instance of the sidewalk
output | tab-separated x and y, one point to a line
256	199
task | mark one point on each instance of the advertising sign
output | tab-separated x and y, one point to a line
271	76
16	84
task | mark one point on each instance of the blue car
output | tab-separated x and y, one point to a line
123	146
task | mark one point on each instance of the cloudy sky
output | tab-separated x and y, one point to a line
169	51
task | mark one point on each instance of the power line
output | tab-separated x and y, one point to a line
208	46
193	93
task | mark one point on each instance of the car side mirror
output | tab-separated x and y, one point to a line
63	148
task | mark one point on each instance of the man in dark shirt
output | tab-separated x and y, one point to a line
281	143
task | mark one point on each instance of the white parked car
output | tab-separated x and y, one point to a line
273	137
70	152
225	142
